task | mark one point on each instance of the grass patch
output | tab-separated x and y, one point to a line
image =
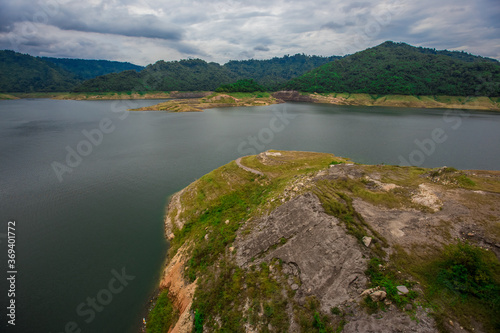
212	203
311	320
337	203
292	163
465	181
466	280
385	276
257	94
7	96
460	282
163	315
260	303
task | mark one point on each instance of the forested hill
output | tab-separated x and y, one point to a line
399	68
88	69
276	71
184	75
196	74
25	73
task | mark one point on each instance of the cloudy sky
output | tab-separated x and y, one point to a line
144	31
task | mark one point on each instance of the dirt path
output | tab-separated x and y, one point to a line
238	162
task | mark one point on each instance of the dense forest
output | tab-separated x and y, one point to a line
183	75
246	85
25	73
389	68
88	69
197	74
276	71
398	68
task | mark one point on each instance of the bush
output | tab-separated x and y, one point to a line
466	271
163	315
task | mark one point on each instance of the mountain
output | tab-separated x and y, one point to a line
183	75
399	68
276	71
25	73
197	74
88	69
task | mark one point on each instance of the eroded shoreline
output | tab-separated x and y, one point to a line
199	101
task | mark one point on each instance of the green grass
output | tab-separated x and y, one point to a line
7	96
163	315
220	293
335	196
466	279
211	205
465	181
311	320
383	275
460	282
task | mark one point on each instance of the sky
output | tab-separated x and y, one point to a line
145	31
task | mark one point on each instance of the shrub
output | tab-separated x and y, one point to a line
163	315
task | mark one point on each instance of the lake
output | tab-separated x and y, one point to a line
87	183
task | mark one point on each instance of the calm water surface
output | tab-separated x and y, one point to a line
105	217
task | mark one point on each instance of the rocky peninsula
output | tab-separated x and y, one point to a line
309	242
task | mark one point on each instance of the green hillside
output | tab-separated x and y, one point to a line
398	68
196	74
88	69
276	71
24	73
184	75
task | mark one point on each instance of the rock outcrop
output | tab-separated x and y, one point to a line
328	262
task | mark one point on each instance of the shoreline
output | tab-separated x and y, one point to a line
402	101
406	101
199	101
95	96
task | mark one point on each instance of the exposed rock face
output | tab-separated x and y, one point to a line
328	261
390	322
172	216
427	197
180	291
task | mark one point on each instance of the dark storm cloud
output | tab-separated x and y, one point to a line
355	5
261	48
336	26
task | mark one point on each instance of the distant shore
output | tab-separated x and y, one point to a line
407	101
198	101
93	96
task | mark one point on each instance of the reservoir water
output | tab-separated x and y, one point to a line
87	183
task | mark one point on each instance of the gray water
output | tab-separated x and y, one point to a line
75	232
